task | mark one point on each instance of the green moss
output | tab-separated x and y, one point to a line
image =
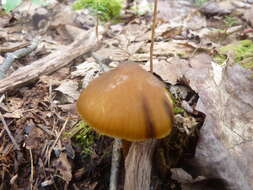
181	55
200	2
241	52
105	9
219	58
176	104
83	136
177	110
230	21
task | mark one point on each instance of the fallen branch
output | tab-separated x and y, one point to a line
9	132
83	43
10	57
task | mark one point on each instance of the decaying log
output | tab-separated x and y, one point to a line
138	165
84	43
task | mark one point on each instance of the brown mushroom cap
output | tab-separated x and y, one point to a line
127	102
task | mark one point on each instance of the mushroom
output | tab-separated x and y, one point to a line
132	104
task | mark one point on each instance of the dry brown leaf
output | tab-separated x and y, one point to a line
225	146
5	19
113	53
167	30
172	48
69	89
140	57
248	15
173	10
35	138
63	165
169	70
64	17
136	32
16	114
217	8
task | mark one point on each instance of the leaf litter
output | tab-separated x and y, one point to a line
40	114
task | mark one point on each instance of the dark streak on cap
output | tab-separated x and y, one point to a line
150	128
168	110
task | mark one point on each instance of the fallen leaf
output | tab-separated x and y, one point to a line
63	165
35	138
217	8
224	150
69	89
248	15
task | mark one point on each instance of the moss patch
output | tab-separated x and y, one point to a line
177	110
230	21
200	2
241	52
84	137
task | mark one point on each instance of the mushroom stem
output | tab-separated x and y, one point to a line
116	156
138	165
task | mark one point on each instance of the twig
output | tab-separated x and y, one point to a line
116	157
1	99
83	43
13	179
10	57
31	176
56	140
153	36
97	23
9	132
11	49
46	130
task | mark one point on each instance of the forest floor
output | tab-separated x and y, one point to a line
49	147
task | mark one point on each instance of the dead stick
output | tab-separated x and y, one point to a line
56	141
84	43
153	36
116	157
11	57
9	132
31	159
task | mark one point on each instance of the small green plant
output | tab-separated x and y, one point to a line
200	2
84	136
9	5
177	110
230	21
220	59
142	7
105	9
241	52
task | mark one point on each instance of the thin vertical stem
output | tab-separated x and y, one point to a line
97	22
116	157
32	168
153	35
